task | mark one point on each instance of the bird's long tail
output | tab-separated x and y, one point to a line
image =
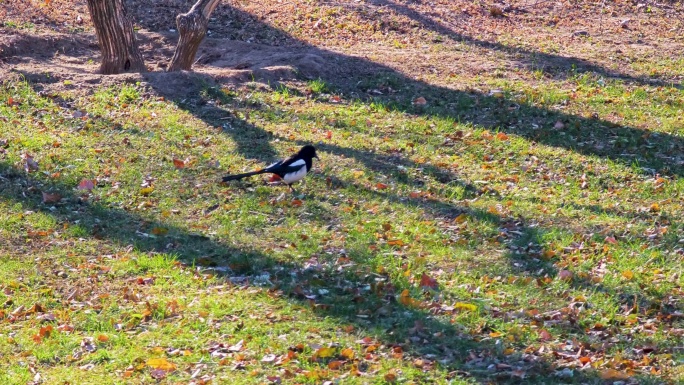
245	175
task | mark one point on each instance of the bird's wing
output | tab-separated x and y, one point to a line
293	167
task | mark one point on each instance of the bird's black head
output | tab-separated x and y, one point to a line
308	151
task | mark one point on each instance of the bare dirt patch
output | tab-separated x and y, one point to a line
439	43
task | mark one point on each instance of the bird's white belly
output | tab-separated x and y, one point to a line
292	177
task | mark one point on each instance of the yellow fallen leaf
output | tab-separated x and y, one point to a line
160	231
628	274
461	218
161	363
465	306
146	190
612	374
324	352
347	353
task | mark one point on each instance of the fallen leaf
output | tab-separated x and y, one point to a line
464	306
158	374
146	190
496	11
612	374
30	165
161	364
395	242
565	275
347	353
335	365
628	274
51	197
381	186
501	136
268	358
237	347
159	230
420	101
45	331
426	281
544	335
86	184
178	163
324	352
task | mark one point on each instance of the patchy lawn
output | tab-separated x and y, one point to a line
514	218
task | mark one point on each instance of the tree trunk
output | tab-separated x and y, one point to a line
192	27
115	34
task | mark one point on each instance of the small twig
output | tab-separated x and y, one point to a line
603	4
537	3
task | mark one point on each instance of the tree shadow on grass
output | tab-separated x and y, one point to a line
422	332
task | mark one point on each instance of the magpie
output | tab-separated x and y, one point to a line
290	170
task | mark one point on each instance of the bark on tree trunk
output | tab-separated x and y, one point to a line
115	34
192	27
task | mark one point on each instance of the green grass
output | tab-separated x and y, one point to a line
537	214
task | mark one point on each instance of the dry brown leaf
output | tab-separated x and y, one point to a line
51	197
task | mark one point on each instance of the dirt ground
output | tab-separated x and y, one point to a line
439	42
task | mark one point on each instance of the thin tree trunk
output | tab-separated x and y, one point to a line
192	27
115	34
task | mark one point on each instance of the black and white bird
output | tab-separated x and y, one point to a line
290	170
